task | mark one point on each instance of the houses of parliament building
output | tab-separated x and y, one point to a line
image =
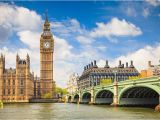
19	84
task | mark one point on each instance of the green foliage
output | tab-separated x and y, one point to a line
61	91
47	96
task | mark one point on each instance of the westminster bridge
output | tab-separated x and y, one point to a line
136	92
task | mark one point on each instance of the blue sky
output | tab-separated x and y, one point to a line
83	31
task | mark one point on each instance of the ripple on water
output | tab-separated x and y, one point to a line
64	111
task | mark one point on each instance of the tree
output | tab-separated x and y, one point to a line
61	91
47	96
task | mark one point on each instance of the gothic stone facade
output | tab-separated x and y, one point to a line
16	85
72	83
20	85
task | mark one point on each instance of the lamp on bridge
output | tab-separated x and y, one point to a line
115	71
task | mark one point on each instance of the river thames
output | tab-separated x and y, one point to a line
66	111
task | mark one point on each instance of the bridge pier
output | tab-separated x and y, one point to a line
115	97
157	108
79	101
92	96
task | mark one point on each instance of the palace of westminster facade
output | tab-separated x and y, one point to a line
19	84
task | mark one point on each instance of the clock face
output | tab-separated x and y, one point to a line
46	45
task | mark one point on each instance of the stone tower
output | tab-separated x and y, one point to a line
2	68
24	83
46	59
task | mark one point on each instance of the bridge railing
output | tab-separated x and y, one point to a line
141	79
128	81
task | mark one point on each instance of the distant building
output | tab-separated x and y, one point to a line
93	75
16	85
152	70
72	83
37	88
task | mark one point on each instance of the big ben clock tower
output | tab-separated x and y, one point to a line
46	60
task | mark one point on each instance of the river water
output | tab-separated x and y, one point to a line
66	111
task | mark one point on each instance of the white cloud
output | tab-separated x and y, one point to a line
101	63
153	2
24	19
62	49
5	32
14	18
30	38
85	39
67	27
142	56
103	48
116	27
139	57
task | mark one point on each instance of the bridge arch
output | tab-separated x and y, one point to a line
104	96
69	99
76	98
86	97
139	95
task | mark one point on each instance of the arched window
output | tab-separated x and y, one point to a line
13	91
13	81
8	91
21	91
4	91
21	82
8	82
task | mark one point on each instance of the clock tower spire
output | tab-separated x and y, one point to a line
46	60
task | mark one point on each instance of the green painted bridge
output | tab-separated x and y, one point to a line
144	91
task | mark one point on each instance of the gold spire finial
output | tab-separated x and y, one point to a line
46	13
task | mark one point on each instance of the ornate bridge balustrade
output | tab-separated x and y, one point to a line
136	92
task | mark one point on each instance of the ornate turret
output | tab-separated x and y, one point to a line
126	64
106	66
95	65
2	63
131	66
28	61
87	66
84	68
17	59
46	27
2	58
91	64
120	64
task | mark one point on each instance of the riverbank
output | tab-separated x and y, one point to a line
44	101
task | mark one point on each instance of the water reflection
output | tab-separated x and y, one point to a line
60	111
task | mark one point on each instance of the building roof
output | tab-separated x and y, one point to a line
109	71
